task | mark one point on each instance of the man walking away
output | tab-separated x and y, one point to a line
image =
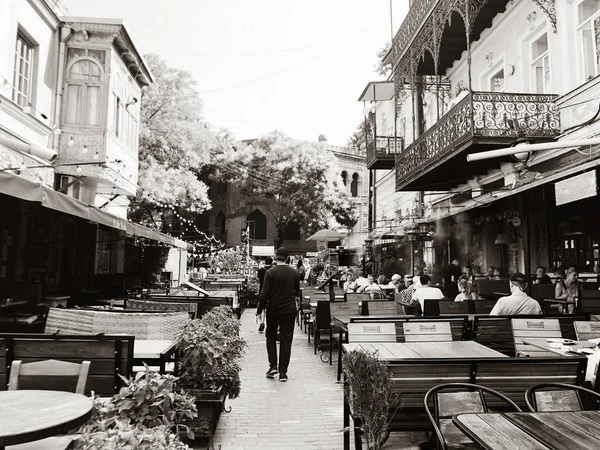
281	286
261	278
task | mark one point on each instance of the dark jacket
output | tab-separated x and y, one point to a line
280	289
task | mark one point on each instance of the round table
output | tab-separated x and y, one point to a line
30	415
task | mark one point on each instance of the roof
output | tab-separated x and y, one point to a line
377	91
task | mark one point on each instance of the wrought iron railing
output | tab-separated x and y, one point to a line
383	148
490	115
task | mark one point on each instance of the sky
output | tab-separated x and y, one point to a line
294	65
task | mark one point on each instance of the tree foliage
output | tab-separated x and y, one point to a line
383	68
175	143
297	179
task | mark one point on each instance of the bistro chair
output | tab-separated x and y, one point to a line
470	398
427	331
323	323
555	397
534	328
51	375
587	330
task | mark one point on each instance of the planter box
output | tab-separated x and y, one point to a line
210	405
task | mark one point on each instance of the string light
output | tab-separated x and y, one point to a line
96	156
71	142
78	169
85	149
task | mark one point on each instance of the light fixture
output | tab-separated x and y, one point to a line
71	142
78	169
57	131
96	156
27	109
85	149
503	239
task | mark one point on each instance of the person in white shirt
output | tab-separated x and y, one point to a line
518	302
361	280
371	286
465	289
425	291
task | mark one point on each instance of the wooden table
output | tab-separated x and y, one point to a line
395	351
532	431
563	302
11	304
30	415
154	352
543	344
54	301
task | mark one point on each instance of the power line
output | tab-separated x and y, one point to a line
283	70
236	55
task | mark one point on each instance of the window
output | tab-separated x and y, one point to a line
220	224
257	222
84	84
354	185
540	64
497	81
589	37
292	232
23	79
345	177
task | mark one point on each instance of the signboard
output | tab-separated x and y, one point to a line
576	188
263	250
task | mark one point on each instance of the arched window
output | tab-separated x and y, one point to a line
292	232
220	224
83	90
257	222
354	185
345	177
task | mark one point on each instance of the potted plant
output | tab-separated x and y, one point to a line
146	413
369	392
209	365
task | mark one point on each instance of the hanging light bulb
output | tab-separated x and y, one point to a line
96	156
22	166
27	109
57	131
71	142
78	169
85	149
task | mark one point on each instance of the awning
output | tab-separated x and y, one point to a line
377	91
19	187
31	149
396	233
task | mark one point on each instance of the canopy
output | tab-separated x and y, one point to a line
16	186
326	236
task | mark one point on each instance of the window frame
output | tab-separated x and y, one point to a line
579	26
535	60
17	94
83	101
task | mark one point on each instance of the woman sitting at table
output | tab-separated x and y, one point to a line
350	284
567	289
465	289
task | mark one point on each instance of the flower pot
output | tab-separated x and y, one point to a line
209	404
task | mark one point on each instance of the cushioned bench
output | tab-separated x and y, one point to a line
511	376
204	303
110	356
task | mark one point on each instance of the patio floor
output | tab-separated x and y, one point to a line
304	413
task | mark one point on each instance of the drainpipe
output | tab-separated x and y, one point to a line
65	32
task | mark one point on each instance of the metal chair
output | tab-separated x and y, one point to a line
447	404
562	397
323	323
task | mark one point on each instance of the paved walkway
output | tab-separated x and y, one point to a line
304	413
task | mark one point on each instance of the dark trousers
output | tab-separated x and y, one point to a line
285	323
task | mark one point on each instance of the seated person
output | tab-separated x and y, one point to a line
371	286
541	277
465	289
395	282
518	303
497	274
361	280
426	292
382	280
406	296
350	284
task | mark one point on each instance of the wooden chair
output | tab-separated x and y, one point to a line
354	297
379	308
534	328
484	306
452	307
587	330
427	332
554	397
589	302
40	371
44	374
470	399
323	323
372	332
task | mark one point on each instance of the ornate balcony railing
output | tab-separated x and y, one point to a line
381	152
485	117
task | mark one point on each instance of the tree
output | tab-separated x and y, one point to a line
175	143
383	68
357	138
298	179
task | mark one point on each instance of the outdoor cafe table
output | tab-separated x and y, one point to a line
153	352
532	431
397	351
31	415
564	350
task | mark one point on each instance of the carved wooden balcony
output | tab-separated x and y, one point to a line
381	152
480	121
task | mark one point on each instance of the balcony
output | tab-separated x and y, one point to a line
481	121
381	152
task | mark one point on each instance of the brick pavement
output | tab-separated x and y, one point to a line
304	413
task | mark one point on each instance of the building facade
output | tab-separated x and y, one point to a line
518	72
70	91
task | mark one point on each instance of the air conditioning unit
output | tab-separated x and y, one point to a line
70	186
